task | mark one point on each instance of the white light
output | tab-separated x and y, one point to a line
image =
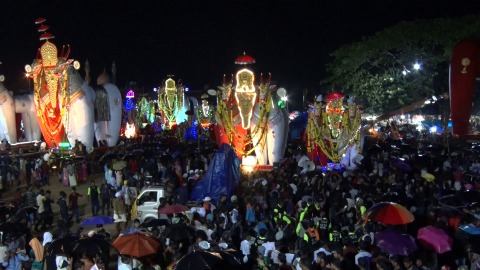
428	101
187	89
404	72
433	129
285	98
434	98
402	116
416	66
155	89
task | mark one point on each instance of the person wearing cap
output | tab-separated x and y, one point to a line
73	204
207	205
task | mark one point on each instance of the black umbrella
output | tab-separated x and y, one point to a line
178	232
107	157
232	258
156	223
12	229
62	244
201	260
5	213
24	212
129	157
91	246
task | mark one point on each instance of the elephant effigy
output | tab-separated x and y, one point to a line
9	107
108	112
249	119
56	87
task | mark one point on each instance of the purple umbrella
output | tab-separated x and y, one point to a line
396	243
402	166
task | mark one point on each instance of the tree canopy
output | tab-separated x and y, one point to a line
379	70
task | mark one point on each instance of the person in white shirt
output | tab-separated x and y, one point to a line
41	209
362	253
245	248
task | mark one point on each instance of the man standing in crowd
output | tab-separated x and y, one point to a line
62	204
73	204
105	193
41	209
93	192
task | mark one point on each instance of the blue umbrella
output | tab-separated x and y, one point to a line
470	229
97	220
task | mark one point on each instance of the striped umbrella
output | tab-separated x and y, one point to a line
389	213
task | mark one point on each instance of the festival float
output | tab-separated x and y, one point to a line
249	119
333	130
62	100
172	103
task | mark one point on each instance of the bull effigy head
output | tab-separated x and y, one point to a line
245	95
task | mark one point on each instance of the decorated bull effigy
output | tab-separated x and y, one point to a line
248	117
333	126
172	103
66	107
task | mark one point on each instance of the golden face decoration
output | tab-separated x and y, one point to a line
245	95
48	51
170	92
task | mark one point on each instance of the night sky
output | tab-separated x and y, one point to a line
198	40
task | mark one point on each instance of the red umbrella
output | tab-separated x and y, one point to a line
333	96
389	213
435	238
244	59
173	209
136	245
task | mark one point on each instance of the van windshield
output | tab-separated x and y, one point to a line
148	196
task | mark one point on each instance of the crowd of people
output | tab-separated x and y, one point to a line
282	219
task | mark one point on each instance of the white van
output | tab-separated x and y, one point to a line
146	204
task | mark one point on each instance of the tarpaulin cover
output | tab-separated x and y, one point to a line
221	177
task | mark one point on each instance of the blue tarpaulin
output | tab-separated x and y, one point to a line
221	177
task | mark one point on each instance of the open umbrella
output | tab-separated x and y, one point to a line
91	246
97	220
231	258
107	157
396	243
173	209
389	213
470	229
244	59
12	230
435	238
62	244
200	260
119	165
136	245
156	223
402	165
178	232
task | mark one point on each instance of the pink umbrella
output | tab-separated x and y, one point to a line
435	238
